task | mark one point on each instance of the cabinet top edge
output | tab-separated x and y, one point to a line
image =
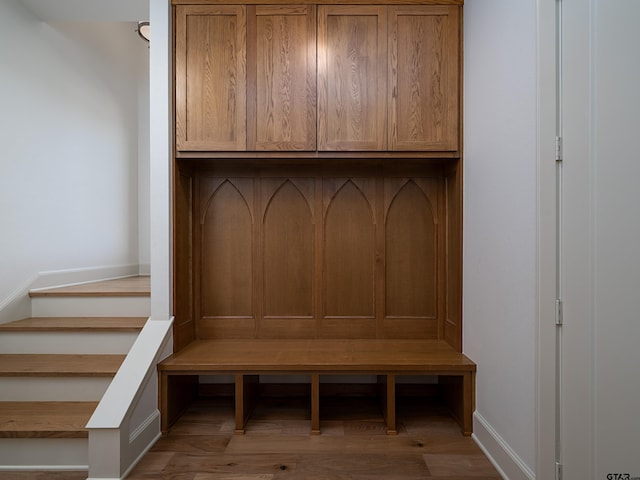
317	2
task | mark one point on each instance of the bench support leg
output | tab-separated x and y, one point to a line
459	392
387	392
315	404
175	394
246	399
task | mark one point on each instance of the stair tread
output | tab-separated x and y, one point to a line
139	286
59	365
75	324
45	419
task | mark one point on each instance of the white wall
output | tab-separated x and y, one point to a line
69	131
500	217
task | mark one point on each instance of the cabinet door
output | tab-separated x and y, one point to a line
424	65
210	77
281	69
352	77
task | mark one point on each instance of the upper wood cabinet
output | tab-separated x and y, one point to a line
352	77
388	77
211	77
245	77
424	77
281	112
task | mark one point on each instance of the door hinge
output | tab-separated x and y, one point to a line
558	471
559	319
558	149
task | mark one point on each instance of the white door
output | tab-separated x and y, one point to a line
600	252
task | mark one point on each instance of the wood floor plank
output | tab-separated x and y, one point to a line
340	452
464	466
45	419
139	286
58	365
75	324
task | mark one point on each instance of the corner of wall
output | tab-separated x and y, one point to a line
503	457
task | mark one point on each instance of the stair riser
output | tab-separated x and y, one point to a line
46	389
90	306
44	453
67	342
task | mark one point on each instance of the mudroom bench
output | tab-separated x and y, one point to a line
247	360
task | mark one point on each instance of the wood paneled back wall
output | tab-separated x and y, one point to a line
308	251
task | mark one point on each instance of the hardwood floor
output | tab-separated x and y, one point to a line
277	444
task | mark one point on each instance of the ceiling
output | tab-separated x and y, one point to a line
89	10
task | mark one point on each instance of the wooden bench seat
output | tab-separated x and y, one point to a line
248	359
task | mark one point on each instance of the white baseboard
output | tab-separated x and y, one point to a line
63	278
503	457
18	304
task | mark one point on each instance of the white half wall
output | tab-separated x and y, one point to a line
500	215
69	130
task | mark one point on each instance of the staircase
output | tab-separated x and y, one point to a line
55	367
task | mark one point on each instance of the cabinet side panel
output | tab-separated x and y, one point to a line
184	326
453	318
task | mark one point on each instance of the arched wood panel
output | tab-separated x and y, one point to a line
411	264
288	260
349	264
226	269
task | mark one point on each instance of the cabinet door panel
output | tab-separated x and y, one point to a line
352	77
282	78
424	77
210	78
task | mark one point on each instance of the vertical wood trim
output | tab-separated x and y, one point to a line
441	262
322	93
252	94
258	262
380	258
180	85
319	254
197	255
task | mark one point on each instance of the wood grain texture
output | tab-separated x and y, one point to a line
45	419
282	77
352	82
75	324
307	253
202	443
138	286
184	330
424	77
58	365
210	66
313	2
328	356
